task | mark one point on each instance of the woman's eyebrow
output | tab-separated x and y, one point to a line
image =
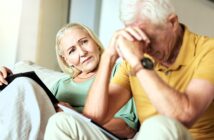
69	48
81	39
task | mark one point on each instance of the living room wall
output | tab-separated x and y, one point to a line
28	27
9	28
196	14
28	30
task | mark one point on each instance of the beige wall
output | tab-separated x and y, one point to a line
30	29
9	27
53	15
197	14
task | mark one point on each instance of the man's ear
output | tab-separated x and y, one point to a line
173	20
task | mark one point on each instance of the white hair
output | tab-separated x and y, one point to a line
156	11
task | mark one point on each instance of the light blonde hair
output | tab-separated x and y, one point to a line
59	53
156	11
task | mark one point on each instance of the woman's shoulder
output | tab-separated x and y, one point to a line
60	82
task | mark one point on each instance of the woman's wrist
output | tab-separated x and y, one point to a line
131	132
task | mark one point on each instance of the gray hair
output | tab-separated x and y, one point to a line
59	53
156	11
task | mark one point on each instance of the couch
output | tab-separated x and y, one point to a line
48	76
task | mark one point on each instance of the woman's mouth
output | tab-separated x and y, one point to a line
86	60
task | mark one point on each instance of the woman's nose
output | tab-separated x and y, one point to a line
82	52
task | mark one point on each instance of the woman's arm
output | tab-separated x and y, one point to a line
120	128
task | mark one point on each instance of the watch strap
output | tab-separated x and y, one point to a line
145	63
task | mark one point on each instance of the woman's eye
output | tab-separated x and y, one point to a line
83	42
71	51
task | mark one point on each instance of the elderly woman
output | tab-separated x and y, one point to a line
78	53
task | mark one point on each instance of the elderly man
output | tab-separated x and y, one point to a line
167	69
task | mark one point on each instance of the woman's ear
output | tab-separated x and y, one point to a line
66	61
100	49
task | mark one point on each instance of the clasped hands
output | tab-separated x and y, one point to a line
130	44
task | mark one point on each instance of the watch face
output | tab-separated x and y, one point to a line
147	63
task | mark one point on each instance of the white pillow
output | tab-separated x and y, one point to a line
48	76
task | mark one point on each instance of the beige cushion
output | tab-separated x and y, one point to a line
48	76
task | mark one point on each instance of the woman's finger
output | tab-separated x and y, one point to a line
5	71
2	79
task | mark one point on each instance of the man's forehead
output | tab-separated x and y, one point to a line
138	23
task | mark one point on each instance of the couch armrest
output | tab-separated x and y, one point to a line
48	76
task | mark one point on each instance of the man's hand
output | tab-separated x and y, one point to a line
132	52
4	72
131	44
111	49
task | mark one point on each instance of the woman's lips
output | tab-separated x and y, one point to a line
86	60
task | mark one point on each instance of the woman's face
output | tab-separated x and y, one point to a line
80	50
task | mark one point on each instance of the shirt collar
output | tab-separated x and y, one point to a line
186	52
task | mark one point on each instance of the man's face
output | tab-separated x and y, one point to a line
161	37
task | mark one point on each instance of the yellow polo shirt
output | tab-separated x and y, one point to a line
195	60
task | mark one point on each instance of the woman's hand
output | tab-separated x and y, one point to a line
58	109
4	72
120	128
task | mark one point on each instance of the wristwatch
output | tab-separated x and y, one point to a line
145	63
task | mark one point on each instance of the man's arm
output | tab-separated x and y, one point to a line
105	100
185	107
